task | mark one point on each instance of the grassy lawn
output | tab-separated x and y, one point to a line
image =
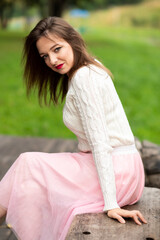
133	56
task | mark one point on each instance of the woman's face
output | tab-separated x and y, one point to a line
57	53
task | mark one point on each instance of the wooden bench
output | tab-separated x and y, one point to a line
99	227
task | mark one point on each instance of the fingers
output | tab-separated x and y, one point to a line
120	213
137	215
141	217
135	218
120	219
117	216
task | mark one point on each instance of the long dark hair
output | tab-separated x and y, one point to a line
37	74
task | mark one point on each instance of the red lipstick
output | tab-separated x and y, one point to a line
59	66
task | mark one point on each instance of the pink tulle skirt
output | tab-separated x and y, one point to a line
44	191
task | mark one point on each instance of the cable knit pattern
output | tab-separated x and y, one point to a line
95	114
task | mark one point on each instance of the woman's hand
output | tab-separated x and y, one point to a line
119	213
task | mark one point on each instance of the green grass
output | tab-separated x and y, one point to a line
18	115
133	56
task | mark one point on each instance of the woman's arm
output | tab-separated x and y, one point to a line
89	102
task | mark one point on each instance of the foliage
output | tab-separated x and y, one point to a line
97	4
52	7
145	14
120	2
6	10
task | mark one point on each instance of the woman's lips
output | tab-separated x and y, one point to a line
59	66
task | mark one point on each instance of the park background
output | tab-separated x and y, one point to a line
123	34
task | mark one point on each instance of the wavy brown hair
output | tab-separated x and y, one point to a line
38	75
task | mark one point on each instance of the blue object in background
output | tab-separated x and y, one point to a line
79	13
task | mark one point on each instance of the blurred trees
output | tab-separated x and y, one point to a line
99	3
52	7
6	10
45	8
56	7
120	2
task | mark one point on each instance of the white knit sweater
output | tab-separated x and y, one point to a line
94	113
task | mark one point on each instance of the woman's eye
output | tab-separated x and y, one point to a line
44	56
57	49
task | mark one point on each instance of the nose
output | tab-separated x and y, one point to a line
52	59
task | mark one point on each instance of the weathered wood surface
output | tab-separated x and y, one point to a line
99	227
150	153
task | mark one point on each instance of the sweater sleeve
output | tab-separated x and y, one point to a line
89	101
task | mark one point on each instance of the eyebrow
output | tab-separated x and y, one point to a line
50	48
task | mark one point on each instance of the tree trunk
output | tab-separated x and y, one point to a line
3	20
56	7
43	8
3	16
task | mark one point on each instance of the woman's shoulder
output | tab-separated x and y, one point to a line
90	72
92	77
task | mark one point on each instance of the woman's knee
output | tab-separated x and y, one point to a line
28	157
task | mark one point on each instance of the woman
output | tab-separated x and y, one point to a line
41	192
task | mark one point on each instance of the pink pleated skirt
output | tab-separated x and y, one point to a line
42	192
